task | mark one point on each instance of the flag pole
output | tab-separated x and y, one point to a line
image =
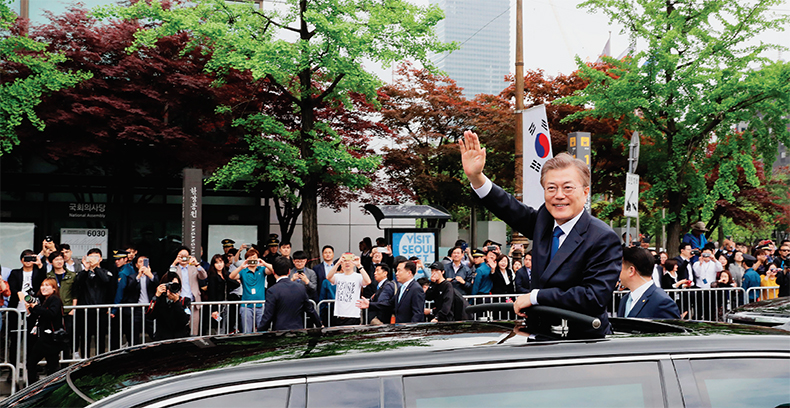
519	174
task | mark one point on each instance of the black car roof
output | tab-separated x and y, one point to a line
191	364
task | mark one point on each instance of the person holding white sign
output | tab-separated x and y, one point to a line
576	257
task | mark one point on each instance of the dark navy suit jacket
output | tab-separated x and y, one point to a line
382	301
286	304
653	304
411	307
583	272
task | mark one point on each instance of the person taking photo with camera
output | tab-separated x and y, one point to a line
170	310
45	339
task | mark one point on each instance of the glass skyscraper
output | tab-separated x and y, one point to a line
482	29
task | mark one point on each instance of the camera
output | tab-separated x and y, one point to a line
173	269
30	297
173	287
252	262
29	258
184	258
48	238
706	255
695	252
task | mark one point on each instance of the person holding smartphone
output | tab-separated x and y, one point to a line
300	273
26	279
252	273
190	272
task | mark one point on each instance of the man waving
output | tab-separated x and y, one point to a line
576	258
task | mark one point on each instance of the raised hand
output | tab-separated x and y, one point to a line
473	158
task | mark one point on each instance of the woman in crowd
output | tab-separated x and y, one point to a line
669	280
769	279
736	268
45	312
502	277
724	281
217	291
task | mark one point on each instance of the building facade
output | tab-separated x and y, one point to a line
482	29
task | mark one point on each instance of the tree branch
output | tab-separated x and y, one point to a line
331	88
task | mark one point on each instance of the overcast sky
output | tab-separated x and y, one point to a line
555	32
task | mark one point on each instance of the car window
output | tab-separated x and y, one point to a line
363	393
599	385
265	397
743	382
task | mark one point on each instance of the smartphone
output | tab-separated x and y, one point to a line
29	258
145	262
48	238
185	258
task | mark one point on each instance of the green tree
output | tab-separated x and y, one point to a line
27	73
312	53
696	77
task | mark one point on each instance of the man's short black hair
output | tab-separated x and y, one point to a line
299	255
183	248
54	255
399	260
414	258
709	245
683	246
424	281
25	253
411	267
64	247
640	258
285	243
384	268
130	245
94	251
281	265
328	246
380	241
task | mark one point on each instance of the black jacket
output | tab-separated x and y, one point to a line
450	305
49	315
15	284
172	318
500	286
92	287
286	305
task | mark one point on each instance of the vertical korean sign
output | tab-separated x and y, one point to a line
192	210
537	150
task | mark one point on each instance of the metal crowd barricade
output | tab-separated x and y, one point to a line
695	303
759	293
14	339
326	310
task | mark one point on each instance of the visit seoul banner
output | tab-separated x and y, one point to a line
537	149
419	244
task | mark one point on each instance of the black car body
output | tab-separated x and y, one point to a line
672	364
772	312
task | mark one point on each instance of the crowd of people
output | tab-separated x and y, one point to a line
762	270
370	287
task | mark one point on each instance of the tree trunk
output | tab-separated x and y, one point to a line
673	229
310	242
